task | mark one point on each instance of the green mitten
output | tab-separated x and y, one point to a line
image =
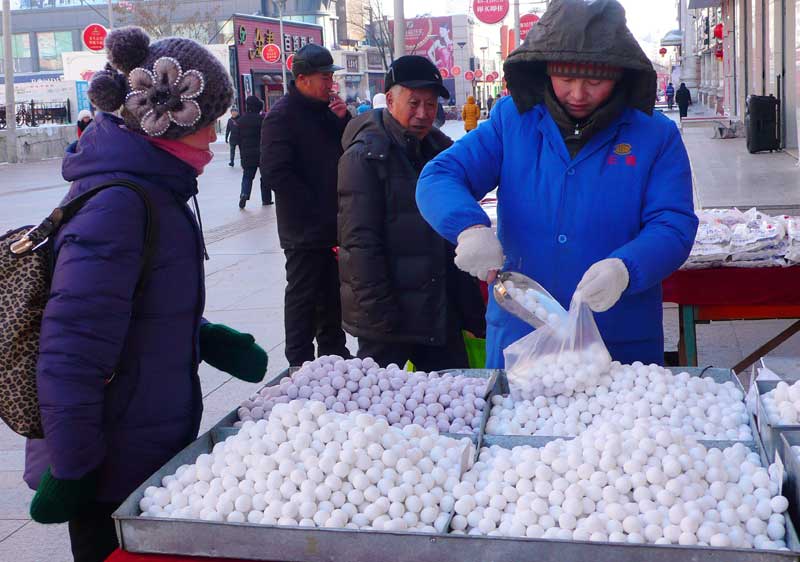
233	352
58	501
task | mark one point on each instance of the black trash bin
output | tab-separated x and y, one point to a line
763	124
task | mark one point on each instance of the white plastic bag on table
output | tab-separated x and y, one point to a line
558	360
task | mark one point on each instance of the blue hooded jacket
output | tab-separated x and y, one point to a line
95	330
627	195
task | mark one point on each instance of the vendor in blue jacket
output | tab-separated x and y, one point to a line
595	190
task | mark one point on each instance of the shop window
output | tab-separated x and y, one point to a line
51	45
21	51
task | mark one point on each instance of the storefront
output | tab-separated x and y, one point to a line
253	74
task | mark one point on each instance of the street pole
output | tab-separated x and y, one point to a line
8	64
399	29
281	4
517	37
110	15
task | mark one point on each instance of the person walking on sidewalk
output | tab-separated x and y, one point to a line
402	297
684	99
670	93
249	127
232	134
120	346
470	113
301	142
595	188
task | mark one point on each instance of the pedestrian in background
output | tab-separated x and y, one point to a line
232	134
402	296
249	133
684	99
364	107
489	104
120	346
301	142
470	113
84	119
670	93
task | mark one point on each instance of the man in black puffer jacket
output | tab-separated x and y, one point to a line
402	295
249	137
300	148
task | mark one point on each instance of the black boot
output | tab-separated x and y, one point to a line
242	202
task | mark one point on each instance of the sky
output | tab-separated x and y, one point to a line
649	20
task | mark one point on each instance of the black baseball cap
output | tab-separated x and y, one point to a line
311	59
414	71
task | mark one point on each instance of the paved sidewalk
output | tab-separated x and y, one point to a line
245	283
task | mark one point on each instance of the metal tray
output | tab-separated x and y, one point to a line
495	382
255	542
768	429
606	552
258	542
719	375
791	472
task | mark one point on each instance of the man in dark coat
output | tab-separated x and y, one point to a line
249	127
232	134
684	99
300	149
402	296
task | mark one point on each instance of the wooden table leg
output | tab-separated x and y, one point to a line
687	346
767	347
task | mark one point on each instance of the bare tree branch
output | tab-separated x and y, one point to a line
375	25
159	18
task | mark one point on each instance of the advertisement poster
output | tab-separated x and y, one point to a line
431	38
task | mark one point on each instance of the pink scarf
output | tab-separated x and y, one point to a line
197	158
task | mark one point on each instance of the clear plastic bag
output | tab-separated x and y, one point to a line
563	359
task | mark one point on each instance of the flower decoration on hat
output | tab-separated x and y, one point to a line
164	95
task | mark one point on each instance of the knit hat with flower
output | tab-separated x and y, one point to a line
169	89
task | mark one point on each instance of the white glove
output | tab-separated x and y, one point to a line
479	252
603	285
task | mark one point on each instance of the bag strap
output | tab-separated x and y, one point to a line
40	234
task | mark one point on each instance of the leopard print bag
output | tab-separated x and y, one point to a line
26	266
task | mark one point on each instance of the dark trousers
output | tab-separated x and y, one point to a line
248	175
451	355
684	109
312	307
92	534
233	151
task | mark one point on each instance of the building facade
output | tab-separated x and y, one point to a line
733	49
44	29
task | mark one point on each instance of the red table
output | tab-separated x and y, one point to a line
706	295
122	556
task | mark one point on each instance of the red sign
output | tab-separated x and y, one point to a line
479	74
94	37
469	76
492	77
289	61
662	51
271	53
456	70
490	11
525	24
431	38
444	72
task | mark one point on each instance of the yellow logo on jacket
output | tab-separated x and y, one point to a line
623	149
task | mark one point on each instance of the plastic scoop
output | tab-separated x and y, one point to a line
547	309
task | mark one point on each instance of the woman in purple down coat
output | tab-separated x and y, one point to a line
117	373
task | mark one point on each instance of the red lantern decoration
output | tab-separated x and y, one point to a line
662	51
718	31
719	53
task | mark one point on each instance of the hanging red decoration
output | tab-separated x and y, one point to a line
662	51
718	31
719	53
